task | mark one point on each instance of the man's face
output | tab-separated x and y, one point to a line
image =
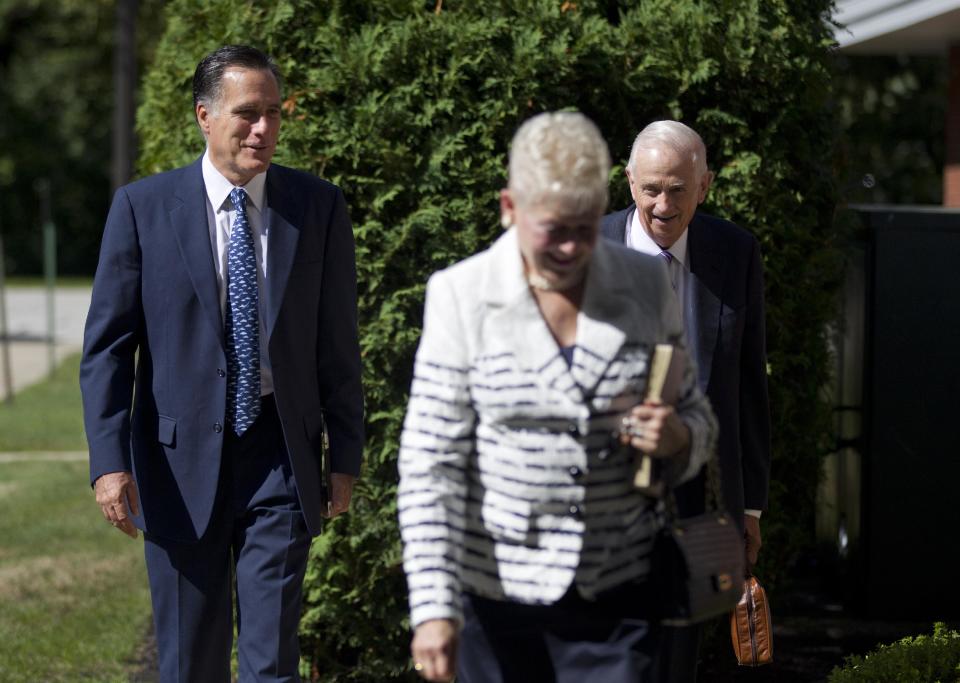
242	128
667	188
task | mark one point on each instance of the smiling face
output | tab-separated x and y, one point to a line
667	188
555	241
242	127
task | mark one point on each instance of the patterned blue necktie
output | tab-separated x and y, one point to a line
242	326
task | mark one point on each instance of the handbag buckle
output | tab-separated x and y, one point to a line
723	582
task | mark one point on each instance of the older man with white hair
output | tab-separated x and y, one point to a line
717	274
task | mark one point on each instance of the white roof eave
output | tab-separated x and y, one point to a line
897	26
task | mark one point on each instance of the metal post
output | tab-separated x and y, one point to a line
4	340
49	268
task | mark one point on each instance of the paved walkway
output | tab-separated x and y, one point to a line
26	337
46	456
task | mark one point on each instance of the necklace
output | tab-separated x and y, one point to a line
538	282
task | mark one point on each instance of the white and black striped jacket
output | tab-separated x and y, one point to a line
511	486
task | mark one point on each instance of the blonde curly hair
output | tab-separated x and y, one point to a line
559	159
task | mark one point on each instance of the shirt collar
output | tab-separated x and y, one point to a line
219	188
641	241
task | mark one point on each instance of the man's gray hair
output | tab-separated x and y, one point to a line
560	158
679	137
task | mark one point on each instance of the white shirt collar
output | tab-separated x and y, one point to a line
641	241
219	188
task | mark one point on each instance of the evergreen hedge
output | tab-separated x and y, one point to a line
409	107
920	659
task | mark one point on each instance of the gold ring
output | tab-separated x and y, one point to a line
418	666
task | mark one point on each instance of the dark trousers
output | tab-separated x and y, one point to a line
257	535
679	653
571	641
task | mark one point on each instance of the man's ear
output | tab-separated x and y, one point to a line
705	182
203	118
633	189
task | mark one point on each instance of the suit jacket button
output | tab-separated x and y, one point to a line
575	471
217	427
576	511
221	373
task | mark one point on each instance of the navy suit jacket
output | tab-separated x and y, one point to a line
724	313
153	373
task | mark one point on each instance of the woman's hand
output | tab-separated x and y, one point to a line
655	430
434	649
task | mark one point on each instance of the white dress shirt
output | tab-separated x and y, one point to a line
220	216
679	265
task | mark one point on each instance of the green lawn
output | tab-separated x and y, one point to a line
38	281
74	602
46	416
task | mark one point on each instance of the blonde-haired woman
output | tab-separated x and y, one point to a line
525	545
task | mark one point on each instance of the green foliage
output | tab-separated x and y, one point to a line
411	111
920	659
55	123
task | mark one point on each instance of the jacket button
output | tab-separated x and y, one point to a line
573	430
221	373
217	427
575	471
576	512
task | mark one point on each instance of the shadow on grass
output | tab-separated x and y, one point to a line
144	665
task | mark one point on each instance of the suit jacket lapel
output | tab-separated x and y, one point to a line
614	226
188	219
704	295
280	218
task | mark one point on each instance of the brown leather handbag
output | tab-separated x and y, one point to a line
750	626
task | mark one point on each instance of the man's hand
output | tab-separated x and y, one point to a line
116	492
655	429
434	649
342	491
751	540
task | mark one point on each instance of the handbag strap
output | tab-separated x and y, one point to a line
713	499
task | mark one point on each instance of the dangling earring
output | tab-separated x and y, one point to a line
506	221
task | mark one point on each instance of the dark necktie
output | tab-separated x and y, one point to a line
668	259
242	327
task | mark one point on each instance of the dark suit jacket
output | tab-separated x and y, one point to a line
154	362
724	312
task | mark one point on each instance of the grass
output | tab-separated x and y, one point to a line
74	602
70	281
46	416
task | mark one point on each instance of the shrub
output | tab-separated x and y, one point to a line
920	659
409	107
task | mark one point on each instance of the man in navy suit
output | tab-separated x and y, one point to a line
220	344
717	274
